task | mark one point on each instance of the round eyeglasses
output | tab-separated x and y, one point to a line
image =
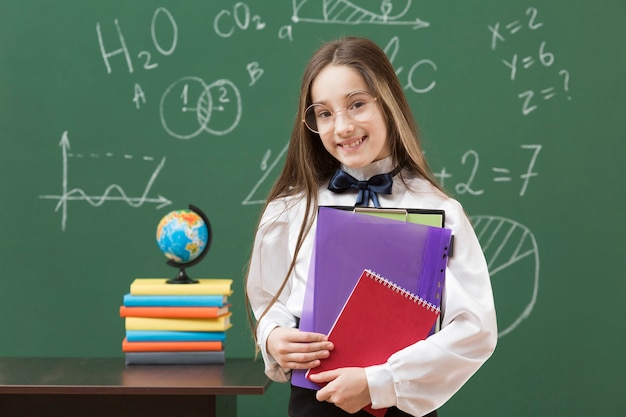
359	107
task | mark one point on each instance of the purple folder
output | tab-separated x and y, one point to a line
411	255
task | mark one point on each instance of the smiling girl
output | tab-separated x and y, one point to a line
355	123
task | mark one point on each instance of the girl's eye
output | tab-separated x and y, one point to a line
357	104
324	113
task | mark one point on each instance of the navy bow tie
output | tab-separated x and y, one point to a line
381	183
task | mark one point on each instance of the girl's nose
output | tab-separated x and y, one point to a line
343	123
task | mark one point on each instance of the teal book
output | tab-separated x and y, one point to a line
131	300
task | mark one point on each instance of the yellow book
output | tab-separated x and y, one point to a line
159	286
218	324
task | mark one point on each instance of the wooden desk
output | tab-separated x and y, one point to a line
105	387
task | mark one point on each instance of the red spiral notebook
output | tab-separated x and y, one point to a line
378	319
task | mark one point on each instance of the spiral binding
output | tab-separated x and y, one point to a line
408	294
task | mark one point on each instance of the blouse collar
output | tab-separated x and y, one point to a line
382	166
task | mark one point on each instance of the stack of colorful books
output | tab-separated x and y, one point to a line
176	323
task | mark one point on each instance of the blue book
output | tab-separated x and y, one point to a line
173	336
175	300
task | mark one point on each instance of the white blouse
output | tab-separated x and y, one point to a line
423	376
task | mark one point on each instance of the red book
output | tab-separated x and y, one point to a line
171	346
378	319
174	312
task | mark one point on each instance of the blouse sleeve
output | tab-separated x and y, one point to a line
269	264
423	376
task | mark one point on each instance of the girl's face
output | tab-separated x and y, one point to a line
354	143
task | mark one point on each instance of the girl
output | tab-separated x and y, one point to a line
353	116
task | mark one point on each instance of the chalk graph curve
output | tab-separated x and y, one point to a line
113	192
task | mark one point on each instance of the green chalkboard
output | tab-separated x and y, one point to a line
114	113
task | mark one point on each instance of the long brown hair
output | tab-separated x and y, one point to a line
308	165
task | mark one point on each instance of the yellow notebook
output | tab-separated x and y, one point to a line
159	286
218	324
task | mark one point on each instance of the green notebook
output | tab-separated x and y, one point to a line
428	217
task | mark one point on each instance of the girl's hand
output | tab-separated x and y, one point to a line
345	387
294	349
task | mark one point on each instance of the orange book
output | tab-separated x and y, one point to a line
171	346
174	312
378	319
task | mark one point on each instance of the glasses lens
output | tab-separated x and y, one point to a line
318	118
360	106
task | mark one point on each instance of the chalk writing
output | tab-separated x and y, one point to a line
139	97
471	159
267	170
531	165
465	187
543	56
160	18
113	192
391	49
144	55
255	71
240	17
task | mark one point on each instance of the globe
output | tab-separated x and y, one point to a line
182	236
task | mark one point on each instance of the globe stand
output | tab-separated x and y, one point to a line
182	277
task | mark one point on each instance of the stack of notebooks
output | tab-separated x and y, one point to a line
375	285
176	323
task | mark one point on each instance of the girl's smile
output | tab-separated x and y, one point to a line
352	144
